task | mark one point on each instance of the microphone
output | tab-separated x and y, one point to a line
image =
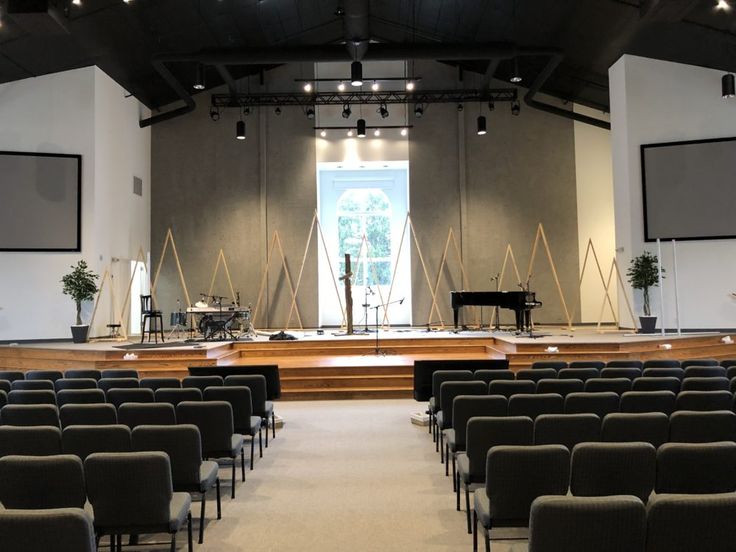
402	300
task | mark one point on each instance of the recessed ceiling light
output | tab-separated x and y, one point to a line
77	2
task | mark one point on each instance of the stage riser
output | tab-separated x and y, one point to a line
366	350
345	370
342	394
294	384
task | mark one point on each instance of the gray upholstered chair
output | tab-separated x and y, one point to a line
691	522
488	375
202	382
30	441
85	440
731	371
117	396
509	388
244	422
658	383
560	386
79	396
648	427
696	468
483	433
608	385
30	415
175	396
566	429
685	364
262	407
637	402
32	385
727	362
515	477
117	383
42	482
83	373
3	398
52	375
136	414
533	405
596	364
119	373
131	493
87	414
698	371
189	473
60	530
448	391
160	383
438	378
623	372
625	363
32	397
75	383
465	407
555	364
584	524
704	400
660	363
702	427
708	383
604	469
5	386
214	419
678	373
536	375
600	404
12	375
582	374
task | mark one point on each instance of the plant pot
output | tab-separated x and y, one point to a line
79	333
648	324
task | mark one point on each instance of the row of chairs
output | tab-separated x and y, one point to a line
628	363
529	486
53	375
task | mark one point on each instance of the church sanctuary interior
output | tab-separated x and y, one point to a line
371	275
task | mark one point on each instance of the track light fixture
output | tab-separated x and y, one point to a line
516	76
418	111
277	111
215	114
356	73
323	133
308	87
728	86
410	85
491	106
240	130
341	87
350	133
383	111
404	131
375	86
361	128
346	112
481	125
515	107
460	107
377	133
309	112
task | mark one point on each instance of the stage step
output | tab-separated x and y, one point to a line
346	393
352	382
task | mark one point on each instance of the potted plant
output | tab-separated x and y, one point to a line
643	273
80	285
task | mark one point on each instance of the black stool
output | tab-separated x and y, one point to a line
154	318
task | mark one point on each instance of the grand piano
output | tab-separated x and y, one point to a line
521	302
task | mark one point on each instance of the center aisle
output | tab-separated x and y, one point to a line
344	476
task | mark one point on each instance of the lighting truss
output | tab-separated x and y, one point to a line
364	97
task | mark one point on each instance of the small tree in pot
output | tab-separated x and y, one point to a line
643	273
80	285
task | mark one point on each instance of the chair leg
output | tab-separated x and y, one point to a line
442	448
201	518
190	543
273	426
454	471
252	449
260	443
457	492
447	459
436	437
219	504
232	492
266	432
242	462
163	339
173	542
475	532
467	506
487	533
429	429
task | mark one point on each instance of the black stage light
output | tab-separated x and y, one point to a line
346	111
310	113
361	128
481	122
383	111
356	73
728	86
418	111
515	107
214	114
240	130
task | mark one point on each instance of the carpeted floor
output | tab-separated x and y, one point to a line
343	476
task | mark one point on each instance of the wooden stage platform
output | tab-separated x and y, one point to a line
333	367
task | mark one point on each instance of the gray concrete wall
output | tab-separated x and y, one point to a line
216	192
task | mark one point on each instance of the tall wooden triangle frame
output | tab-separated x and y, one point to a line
221	259
107	275
140	259
591	248
508	255
169	239
541	234
620	281
435	308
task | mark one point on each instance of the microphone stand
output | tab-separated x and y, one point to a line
400	301
365	305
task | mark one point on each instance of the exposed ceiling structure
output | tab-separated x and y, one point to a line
123	38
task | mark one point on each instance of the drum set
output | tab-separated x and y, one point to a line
217	320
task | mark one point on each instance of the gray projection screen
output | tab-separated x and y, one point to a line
689	189
40	201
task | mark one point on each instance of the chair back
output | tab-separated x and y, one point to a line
240	401
175	396
702	427
606	385
533	405
80	396
111	373
30	441
509	388
661	363
214	419
698	371
636	402
32	385
52	375
29	415
42	482
129	489
486	432
117	397
5	386
32	397
85	440
465	407
684	364
60	530
728	362
657	383
87	414
183	445
596	364
83	373
441	376
625	364
517	475
258	392
580	524
557	365
12	375
650	427
708	383
704	400
582	374
3	398
678	373
489	375
605	469
600	404
155	384
451	389
629	372
566	429
696	468
117	383
536	375
75	383
202	382
560	386
136	414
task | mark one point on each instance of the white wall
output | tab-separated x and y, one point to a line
594	178
81	112
659	101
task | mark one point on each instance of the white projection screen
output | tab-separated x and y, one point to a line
40	201
689	189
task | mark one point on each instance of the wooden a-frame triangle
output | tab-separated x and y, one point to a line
444	262
221	259
169	239
591	248
541	235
